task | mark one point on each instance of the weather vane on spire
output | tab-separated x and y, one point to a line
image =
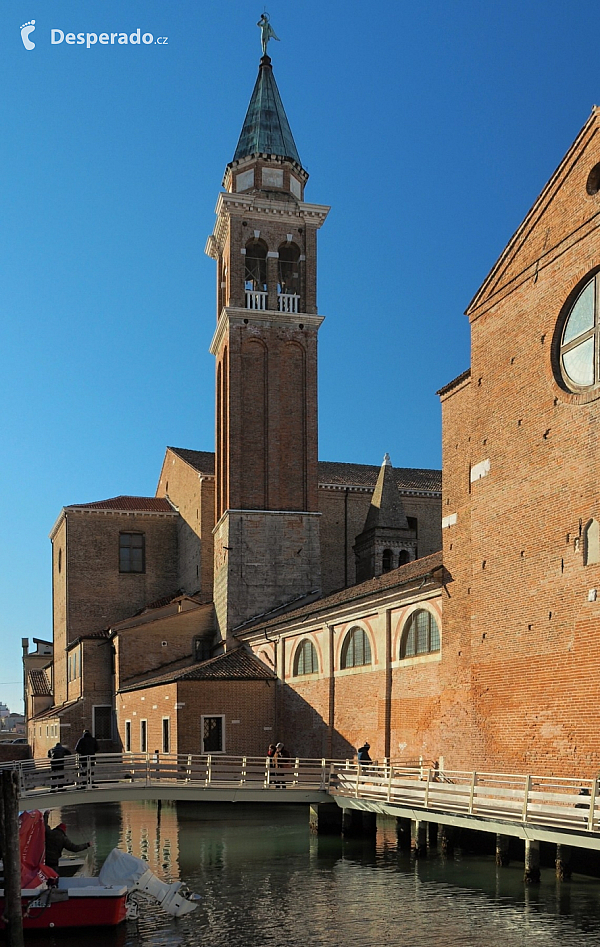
266	32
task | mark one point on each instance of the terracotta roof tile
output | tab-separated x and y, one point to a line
238	665
331	472
455	381
410	572
134	504
201	460
39	683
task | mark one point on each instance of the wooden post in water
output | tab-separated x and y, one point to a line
532	861
9	836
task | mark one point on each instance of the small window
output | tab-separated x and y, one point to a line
421	635
579	349
131	552
202	648
305	660
128	736
212	735
356	650
143	736
387	560
591	543
166	735
403	558
103	722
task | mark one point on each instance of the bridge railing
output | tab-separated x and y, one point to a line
106	770
540	800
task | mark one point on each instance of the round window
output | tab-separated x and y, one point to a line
579	344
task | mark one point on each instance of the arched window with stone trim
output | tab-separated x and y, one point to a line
404	557
305	659
421	634
356	649
288	270
255	278
591	543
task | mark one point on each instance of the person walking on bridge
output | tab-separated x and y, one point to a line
86	749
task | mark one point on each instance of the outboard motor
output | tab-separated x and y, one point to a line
120	868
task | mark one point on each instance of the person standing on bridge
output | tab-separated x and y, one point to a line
363	755
86	749
56	841
57	764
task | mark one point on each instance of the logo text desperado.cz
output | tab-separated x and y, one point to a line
105	39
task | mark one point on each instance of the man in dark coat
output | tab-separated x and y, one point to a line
57	763
56	841
86	748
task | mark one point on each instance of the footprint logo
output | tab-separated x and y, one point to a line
26	30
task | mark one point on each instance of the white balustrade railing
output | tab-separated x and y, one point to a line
288	302
107	770
535	800
554	802
255	300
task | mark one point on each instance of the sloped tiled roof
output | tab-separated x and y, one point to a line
238	665
365	475
201	460
39	683
134	504
331	472
397	577
455	381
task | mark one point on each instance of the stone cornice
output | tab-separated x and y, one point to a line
253	205
265	318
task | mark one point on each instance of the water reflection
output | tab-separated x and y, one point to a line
265	880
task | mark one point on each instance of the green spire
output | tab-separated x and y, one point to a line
266	129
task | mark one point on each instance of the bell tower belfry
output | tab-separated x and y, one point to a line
267	550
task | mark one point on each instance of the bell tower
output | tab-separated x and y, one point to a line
267	550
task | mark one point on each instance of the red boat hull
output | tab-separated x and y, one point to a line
74	912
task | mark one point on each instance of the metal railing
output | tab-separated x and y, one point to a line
555	802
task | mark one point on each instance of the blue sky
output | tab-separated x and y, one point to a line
429	128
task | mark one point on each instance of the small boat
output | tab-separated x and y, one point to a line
49	901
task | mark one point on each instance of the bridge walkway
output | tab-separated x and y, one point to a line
556	809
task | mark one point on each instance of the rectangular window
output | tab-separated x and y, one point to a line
213	732
143	736
131	552
166	735
102	715
128	736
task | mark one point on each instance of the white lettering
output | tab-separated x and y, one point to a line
123	38
112	37
80	39
70	38
53	35
91	39
135	37
147	38
103	38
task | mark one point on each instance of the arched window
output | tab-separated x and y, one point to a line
421	635
256	266
403	558
591	543
580	337
356	650
387	560
289	269
305	660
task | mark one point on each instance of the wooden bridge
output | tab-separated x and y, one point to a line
560	810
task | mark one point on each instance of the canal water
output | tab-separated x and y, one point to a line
265	880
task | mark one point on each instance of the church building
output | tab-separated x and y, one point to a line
262	593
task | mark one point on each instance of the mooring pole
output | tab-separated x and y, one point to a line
9	837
